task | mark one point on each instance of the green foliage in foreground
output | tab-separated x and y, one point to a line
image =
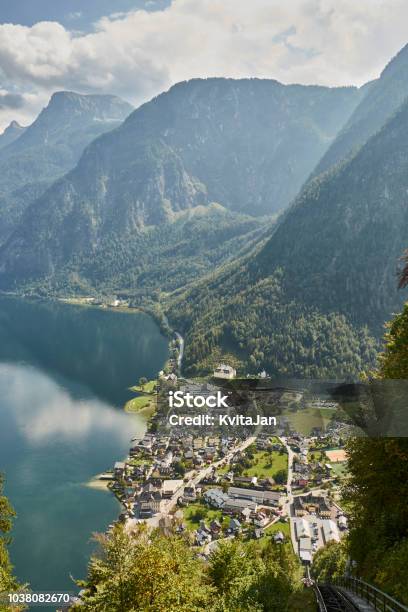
378	487
7	581
330	562
161	573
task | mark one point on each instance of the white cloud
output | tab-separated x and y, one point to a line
139	54
44	411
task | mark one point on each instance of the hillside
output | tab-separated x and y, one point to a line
246	145
32	158
313	299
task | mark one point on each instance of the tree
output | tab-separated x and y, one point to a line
377	489
7	581
280	580
142	381
233	568
7	513
250	578
144	572
179	468
281	477
151	572
199	515
330	562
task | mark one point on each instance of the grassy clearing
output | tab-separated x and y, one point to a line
267	465
317	455
339	469
139	461
138	403
194	513
224	469
305	420
279	526
147	388
270	532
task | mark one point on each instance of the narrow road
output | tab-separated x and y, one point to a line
168	505
289	495
181	350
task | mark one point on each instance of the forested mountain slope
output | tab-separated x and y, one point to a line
35	156
301	304
247	145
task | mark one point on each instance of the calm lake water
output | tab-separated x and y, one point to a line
64	374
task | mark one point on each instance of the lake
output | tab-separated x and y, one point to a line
64	378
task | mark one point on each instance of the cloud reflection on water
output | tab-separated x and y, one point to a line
44	411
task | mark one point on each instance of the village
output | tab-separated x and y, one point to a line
280	484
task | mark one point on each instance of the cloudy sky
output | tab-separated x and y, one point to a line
145	46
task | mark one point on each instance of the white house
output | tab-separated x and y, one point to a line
330	531
305	550
224	371
302	528
215	497
170	487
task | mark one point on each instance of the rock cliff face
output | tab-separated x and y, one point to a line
35	156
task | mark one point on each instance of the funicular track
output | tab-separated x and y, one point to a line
333	600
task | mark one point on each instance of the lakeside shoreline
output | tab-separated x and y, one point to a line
85	302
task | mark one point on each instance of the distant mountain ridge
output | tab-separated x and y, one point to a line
13	131
381	99
51	146
246	144
69	111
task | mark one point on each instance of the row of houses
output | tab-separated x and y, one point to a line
307	536
197	449
247	504
148	501
303	529
317	504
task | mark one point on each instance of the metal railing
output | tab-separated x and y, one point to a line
377	599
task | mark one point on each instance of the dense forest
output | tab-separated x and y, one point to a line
257	326
144	266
